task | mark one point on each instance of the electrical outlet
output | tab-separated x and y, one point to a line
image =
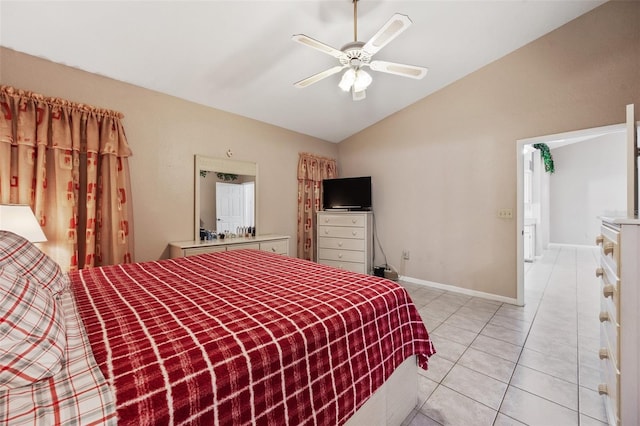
505	213
406	254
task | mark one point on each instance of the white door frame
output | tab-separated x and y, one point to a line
520	144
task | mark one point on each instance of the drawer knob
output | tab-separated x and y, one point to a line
273	249
603	353
608	290
602	389
608	248
340	244
340	256
354	221
326	231
604	316
354	233
326	220
599	272
599	240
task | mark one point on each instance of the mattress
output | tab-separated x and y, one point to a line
244	337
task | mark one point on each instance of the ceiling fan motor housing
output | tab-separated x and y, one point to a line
354	55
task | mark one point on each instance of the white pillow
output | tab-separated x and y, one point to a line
20	255
32	332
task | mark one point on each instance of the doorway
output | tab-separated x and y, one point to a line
234	206
534	215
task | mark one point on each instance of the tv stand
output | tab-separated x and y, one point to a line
345	240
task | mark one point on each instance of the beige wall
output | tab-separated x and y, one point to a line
443	167
165	133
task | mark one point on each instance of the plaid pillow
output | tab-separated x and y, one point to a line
32	332
19	255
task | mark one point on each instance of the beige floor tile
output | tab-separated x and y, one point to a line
420	419
426	387
510	323
505	334
448	349
497	347
535	411
561	368
554	333
546	386
448	407
487	364
457	334
438	368
589	421
592	405
476	386
502	420
465	323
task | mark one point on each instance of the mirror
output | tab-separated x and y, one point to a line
225	194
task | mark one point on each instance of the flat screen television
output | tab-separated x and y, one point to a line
347	193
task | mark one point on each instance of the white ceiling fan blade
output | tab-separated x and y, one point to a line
399	69
358	96
392	29
308	41
319	76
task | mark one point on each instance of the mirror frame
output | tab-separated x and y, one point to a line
221	165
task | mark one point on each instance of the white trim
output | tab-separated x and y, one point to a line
572	245
520	144
455	289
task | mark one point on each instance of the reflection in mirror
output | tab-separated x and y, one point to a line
226	201
225	195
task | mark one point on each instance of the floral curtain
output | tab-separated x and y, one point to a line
311	171
69	162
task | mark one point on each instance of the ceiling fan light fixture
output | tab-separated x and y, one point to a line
363	80
348	79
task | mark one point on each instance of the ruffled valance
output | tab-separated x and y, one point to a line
60	124
315	168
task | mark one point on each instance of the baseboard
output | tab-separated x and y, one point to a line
465	291
572	245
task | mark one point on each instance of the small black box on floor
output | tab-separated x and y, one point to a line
378	271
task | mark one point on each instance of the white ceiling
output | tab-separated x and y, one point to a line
238	56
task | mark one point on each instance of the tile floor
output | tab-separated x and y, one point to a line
499	364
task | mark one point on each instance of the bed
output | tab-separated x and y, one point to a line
238	337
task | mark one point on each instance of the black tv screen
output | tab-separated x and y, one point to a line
347	193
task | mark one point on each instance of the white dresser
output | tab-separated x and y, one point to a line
271	243
345	240
619	270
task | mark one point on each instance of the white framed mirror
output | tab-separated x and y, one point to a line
226	194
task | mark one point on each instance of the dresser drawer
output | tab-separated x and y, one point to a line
610	296
202	250
341	243
280	247
609	242
347	266
351	219
609	341
255	246
341	255
610	378
341	232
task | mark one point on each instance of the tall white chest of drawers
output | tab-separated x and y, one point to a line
345	240
619	273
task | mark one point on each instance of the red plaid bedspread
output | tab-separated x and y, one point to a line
245	337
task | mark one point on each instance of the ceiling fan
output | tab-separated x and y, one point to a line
355	56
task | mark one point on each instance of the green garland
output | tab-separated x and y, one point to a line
547	158
222	176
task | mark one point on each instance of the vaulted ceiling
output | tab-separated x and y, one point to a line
238	56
